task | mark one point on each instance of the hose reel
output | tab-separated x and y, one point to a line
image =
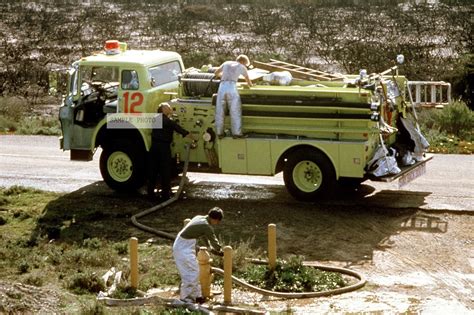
199	84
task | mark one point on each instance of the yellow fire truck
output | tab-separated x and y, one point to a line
319	129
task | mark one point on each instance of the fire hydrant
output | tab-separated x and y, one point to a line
204	260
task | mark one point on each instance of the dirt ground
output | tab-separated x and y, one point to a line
414	261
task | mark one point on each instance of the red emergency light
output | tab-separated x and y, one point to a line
112	47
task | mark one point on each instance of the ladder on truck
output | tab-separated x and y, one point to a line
429	93
297	71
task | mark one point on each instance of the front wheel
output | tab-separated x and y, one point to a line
309	175
122	166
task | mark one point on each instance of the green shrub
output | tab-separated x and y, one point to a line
48	126
7	124
85	282
121	248
293	276
13	107
92	243
23	267
456	119
35	280
124	292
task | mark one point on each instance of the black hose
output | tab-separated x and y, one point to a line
164	204
199	84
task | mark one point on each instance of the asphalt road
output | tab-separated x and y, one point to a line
37	161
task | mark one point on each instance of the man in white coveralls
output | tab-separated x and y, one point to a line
184	252
227	95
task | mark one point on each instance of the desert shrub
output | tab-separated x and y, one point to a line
84	257
124	291
35	280
48	126
7	124
13	107
456	119
121	248
92	243
85	282
23	267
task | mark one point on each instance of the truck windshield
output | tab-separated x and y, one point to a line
100	74
165	73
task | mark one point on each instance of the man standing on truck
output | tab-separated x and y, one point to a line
160	152
184	252
227	95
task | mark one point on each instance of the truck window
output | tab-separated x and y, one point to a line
130	80
165	73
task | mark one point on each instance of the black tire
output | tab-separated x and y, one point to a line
309	175
122	166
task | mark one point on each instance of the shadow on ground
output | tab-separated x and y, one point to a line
348	229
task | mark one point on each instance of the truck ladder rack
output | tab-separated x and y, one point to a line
297	71
429	93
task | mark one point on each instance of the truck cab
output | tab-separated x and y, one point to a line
116	80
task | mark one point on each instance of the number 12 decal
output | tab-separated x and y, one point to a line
132	100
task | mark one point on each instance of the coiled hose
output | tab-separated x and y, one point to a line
301	295
238	281
199	84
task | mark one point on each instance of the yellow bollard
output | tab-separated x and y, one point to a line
134	262
186	221
227	275
272	246
204	260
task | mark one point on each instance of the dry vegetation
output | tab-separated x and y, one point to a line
344	35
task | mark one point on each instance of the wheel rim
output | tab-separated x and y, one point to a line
120	166
307	176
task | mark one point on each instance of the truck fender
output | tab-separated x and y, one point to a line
284	156
101	130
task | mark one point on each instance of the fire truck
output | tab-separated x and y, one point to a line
319	129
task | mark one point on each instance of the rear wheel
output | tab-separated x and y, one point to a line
309	175
122	166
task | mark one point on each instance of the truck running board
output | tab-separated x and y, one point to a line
408	173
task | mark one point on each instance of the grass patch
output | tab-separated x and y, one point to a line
67	262
292	276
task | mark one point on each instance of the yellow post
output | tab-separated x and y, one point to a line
227	275
134	262
272	246
204	260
